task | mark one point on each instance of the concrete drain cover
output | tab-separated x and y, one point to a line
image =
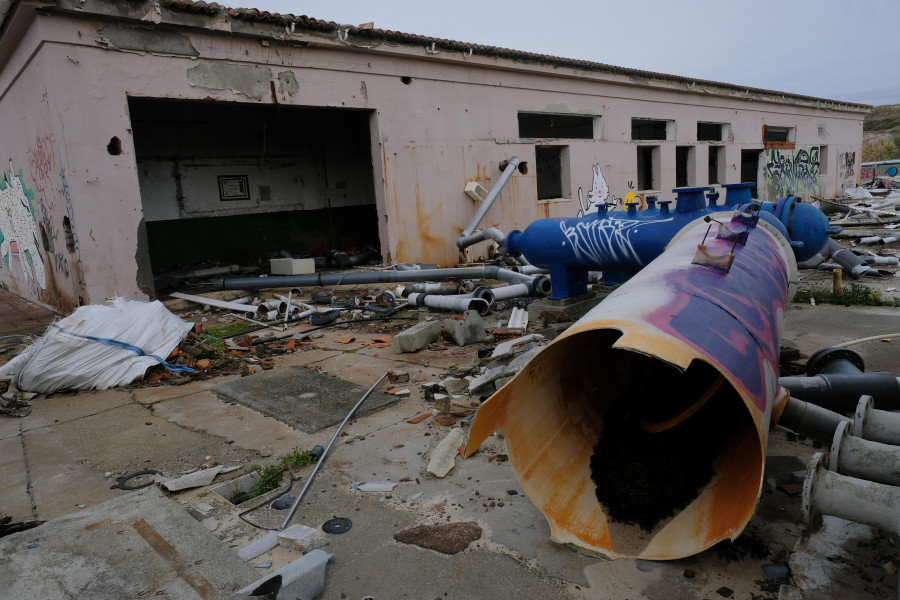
301	397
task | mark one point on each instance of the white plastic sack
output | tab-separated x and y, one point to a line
98	347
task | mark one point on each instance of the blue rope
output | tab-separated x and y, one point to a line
140	352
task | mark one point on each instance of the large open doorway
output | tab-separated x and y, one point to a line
233	183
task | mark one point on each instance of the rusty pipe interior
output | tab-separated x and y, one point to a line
641	431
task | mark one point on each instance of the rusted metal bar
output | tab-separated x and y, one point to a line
641	431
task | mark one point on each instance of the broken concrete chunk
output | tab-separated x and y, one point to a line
376	486
302	578
417	337
192	480
455	386
258	546
302	538
398	376
513	346
443	458
461	406
468	331
499	383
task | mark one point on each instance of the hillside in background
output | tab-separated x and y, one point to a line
881	133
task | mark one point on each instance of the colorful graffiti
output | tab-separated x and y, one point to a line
18	227
793	172
41	159
847	165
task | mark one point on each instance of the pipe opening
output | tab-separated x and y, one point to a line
660	443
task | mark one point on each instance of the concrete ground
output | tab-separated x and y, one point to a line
60	461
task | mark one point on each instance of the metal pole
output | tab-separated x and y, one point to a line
325	453
511	166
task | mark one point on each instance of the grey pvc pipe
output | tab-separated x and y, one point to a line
445	288
828	493
357	277
864	459
490	233
881	260
319	462
810	420
876	425
485	206
456	303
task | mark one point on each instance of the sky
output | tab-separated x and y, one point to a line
825	48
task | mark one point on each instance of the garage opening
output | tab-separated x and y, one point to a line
236	184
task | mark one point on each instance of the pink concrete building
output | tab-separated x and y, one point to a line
142	136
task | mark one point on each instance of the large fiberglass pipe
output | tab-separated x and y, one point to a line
641	431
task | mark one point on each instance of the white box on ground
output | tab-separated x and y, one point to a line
292	266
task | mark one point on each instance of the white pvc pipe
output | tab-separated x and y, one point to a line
514	290
233	306
485	206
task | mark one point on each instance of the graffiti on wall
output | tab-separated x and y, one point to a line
18	228
866	173
847	164
793	172
598	195
71	237
41	160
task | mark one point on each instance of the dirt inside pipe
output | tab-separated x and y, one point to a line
659	443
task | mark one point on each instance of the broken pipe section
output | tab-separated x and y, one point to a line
641	431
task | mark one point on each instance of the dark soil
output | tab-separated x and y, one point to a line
642	477
447	538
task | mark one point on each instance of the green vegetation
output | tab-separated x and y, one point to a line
297	458
853	294
269	479
881	133
230	329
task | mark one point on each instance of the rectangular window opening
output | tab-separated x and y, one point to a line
652	129
823	160
554	126
778	137
713	132
552	169
647	167
684	166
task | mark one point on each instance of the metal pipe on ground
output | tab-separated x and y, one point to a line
836	378
865	459
876	425
539	283
456	303
642	430
321	460
851	498
850	262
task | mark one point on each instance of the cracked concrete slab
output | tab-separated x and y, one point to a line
301	397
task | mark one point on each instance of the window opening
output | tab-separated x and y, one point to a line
543	125
550	169
652	129
710	132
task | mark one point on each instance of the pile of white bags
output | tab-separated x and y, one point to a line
99	347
